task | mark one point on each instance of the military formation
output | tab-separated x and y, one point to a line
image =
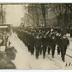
43	42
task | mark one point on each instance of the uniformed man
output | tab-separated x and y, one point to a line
37	46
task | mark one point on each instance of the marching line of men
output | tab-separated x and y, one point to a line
40	42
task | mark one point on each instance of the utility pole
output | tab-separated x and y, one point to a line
44	13
2	18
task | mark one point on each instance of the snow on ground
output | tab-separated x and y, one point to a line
24	60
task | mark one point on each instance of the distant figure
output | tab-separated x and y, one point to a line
70	64
66	64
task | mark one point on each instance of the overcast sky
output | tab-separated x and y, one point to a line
14	14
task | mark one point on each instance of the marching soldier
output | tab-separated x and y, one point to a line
64	42
37	45
44	43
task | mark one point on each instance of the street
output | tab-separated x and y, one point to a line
24	60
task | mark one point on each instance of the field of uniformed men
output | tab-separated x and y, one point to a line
40	42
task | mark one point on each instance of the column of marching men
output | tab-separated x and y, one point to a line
39	42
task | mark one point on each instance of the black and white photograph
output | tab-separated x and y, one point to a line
36	36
